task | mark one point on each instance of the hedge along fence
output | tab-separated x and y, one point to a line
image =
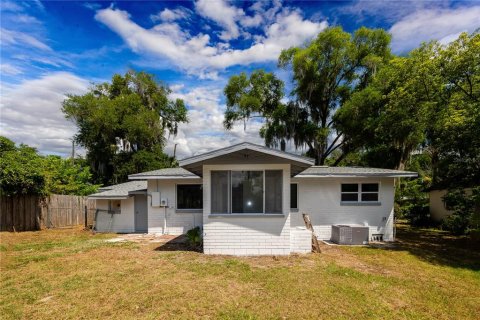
27	212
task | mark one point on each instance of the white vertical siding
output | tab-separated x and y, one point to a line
246	235
121	223
320	198
176	222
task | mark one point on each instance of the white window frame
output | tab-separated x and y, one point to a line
359	193
176	197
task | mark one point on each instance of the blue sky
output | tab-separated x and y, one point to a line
50	48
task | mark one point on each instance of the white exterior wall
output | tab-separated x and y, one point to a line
120	223
300	239
177	222
242	234
320	198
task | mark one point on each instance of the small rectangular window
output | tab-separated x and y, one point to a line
189	196
364	192
293	196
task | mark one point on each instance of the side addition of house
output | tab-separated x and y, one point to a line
249	200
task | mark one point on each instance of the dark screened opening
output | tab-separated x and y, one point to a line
189	196
349	196
369	187
349	187
294	196
369	196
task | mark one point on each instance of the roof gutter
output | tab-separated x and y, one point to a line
154	177
400	175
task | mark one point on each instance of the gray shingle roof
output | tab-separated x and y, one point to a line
325	171
121	190
165	173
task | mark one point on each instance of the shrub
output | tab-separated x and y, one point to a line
194	237
418	215
466	211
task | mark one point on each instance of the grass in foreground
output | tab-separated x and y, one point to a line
74	274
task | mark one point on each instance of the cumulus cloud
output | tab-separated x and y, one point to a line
196	55
168	15
223	14
433	24
30	111
205	130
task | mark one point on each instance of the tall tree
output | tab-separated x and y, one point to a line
454	136
387	120
324	73
124	122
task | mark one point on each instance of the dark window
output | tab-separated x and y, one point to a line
220	191
349	187
247	191
369	196
294	196
369	187
273	191
189	196
366	192
349	196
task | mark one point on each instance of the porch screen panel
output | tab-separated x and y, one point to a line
247	191
273	191
220	191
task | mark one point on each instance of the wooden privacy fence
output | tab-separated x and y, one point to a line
25	212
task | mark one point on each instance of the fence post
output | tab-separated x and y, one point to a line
86	214
49	222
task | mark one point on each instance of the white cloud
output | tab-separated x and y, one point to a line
223	14
10	69
10	6
30	111
262	14
196	55
10	37
433	24
168	15
205	130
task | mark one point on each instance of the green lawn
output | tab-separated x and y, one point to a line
74	274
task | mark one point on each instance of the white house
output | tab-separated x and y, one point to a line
249	200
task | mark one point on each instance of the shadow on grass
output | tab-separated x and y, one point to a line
179	243
437	247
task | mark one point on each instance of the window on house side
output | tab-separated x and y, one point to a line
189	196
293	196
251	191
363	192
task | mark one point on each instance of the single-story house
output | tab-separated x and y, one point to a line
249	199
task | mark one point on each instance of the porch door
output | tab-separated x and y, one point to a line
141	215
